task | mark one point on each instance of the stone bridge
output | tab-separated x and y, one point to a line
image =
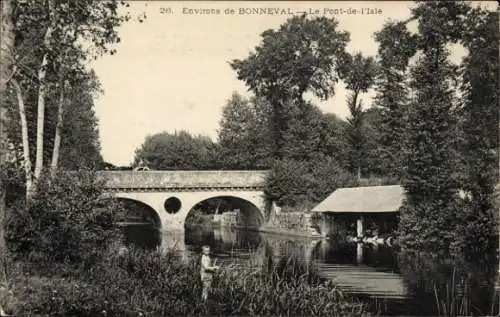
171	195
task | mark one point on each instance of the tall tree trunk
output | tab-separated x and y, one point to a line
6	60
40	119
25	141
42	91
59	124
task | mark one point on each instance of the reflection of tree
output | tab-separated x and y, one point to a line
290	259
214	205
223	239
245	214
135	211
449	284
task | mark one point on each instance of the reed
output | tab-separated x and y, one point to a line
451	303
162	284
455	298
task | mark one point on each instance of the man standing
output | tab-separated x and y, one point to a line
207	271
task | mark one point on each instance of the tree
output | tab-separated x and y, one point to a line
48	42
80	146
396	46
332	139
6	55
371	132
297	185
302	55
78	131
304	130
480	122
359	73
428	218
355	138
177	151
243	135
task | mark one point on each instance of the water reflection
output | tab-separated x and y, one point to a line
394	282
142	235
454	285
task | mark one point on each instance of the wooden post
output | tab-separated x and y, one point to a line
359	253
324	226
325	246
359	226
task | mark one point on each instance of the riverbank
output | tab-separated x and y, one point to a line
296	224
272	231
141	283
290	233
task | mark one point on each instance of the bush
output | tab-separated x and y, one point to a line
477	229
14	178
461	226
428	225
66	220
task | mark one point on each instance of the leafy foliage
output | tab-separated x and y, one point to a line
302	55
67	220
429	132
312	149
243	135
299	184
355	137
177	151
429	225
396	47
431	137
50	72
480	121
80	146
359	73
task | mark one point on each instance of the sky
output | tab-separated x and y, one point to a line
171	71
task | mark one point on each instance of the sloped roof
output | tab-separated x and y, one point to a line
363	199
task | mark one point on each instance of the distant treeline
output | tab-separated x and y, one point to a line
432	126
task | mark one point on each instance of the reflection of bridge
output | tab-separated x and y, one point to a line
172	194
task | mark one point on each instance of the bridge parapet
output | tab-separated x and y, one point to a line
184	180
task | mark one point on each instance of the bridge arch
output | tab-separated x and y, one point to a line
139	222
247	212
138	211
174	221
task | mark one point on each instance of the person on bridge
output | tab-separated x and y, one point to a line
207	271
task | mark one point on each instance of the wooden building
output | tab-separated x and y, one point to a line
361	211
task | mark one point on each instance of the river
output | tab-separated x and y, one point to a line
391	282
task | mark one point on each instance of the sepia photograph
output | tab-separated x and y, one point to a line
249	158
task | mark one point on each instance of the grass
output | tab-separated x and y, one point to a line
451	303
456	299
144	283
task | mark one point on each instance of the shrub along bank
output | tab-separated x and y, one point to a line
142	283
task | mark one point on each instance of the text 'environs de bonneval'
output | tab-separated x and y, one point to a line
185	10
